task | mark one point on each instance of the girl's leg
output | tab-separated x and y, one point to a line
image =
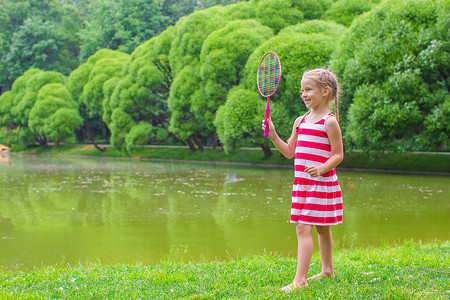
326	251
305	250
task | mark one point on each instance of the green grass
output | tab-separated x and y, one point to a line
407	271
392	161
381	161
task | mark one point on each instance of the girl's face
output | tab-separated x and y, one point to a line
312	94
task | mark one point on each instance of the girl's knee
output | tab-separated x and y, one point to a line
303	229
323	229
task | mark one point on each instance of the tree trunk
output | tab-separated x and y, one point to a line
42	141
191	144
266	150
57	143
107	133
215	140
198	142
87	132
103	149
79	135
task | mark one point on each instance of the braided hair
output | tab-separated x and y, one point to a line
324	78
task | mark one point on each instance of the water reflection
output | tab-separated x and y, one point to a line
73	210
4	158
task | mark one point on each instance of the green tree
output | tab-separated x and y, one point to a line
7	126
191	32
120	25
278	14
140	93
312	9
223	57
5	33
20	109
138	135
107	64
121	124
55	114
393	64
25	91
34	33
182	120
175	9
6	103
208	3
86	85
238	121
240	11
344	11
34	45
300	47
184	59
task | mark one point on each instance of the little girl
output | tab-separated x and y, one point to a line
316	145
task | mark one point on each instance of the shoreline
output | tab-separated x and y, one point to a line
236	163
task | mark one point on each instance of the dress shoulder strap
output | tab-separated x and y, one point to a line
328	115
302	121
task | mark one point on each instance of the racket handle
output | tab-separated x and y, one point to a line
267	115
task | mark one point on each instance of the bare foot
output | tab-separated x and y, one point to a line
292	287
322	275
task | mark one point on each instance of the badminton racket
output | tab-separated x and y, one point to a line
268	80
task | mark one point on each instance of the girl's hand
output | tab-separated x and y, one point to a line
313	171
271	126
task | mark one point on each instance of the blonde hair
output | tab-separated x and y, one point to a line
324	78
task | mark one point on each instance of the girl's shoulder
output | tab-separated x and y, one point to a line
331	122
330	117
327	116
298	121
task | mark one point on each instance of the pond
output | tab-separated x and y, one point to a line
56	210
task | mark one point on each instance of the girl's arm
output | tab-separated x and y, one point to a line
337	149
287	149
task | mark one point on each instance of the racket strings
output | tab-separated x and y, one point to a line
269	74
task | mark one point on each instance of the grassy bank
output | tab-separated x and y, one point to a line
407	271
380	161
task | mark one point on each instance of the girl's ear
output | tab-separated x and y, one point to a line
326	91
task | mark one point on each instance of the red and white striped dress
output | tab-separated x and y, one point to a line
315	200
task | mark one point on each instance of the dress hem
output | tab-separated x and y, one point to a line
319	224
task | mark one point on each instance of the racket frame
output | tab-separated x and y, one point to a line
267	111
279	76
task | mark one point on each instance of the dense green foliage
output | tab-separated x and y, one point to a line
194	82
86	87
407	271
394	65
39	108
344	11
138	98
238	124
37	34
121	25
54	115
58	35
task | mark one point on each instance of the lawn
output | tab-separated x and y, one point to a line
405	271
